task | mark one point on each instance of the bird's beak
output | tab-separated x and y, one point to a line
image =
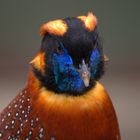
85	78
85	73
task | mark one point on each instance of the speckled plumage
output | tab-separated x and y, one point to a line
19	121
63	99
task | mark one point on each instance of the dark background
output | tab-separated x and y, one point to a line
119	23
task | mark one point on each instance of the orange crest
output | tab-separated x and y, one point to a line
90	21
56	27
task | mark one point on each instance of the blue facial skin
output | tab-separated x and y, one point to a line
94	62
66	76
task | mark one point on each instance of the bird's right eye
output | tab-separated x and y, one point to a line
59	50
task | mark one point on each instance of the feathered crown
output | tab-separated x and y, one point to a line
59	27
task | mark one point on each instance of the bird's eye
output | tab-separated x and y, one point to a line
59	50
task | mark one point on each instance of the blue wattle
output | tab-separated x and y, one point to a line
94	62
66	76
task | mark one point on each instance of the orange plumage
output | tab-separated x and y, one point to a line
39	113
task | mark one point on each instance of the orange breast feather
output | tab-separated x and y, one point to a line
87	117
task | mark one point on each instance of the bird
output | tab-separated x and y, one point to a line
63	98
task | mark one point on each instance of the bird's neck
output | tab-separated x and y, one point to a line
45	94
72	86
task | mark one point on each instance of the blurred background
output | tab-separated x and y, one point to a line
119	23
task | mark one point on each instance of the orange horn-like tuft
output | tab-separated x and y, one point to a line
90	21
56	27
